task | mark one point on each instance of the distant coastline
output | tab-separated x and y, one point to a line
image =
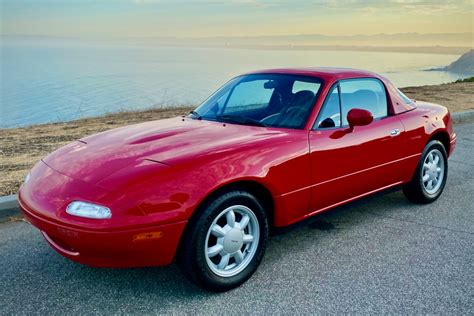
388	49
442	43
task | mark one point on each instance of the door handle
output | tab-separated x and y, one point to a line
394	132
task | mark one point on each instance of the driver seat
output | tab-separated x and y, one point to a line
295	114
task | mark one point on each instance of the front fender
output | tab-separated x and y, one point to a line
171	193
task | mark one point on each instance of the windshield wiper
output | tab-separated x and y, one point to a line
196	115
240	120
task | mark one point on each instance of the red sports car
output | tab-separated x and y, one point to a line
268	149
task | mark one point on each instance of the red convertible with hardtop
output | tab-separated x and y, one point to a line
268	149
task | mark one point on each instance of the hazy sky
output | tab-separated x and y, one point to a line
200	18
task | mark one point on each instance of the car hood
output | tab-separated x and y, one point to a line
169	142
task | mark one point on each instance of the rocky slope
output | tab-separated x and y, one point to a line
464	65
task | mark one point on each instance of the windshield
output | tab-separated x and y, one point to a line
275	100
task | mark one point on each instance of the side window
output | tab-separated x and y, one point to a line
249	95
330	115
367	94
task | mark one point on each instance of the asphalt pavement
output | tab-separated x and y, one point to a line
378	255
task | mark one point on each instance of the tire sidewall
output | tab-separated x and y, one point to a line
434	144
205	276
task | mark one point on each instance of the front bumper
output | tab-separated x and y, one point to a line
130	238
149	246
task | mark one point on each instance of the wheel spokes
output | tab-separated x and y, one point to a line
244	222
230	217
214	250
217	231
239	257
224	261
430	157
232	240
247	239
432	175
430	185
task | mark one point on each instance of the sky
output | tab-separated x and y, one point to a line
207	18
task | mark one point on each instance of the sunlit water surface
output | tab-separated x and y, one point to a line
46	81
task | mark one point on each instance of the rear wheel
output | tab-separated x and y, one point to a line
224	245
430	176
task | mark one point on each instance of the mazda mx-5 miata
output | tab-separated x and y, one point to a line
268	149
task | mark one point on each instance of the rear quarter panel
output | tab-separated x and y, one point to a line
421	124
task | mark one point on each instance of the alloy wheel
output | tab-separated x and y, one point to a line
433	171
232	241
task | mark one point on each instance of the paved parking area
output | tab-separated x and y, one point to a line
380	255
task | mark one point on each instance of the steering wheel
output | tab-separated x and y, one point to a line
293	115
295	109
330	121
335	116
271	119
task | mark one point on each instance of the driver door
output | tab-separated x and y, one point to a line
348	164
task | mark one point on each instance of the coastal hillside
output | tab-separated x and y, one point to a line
464	65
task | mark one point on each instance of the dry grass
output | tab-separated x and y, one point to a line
20	148
455	96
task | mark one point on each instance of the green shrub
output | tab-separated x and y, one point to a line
470	79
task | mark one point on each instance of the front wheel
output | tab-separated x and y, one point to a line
225	243
430	176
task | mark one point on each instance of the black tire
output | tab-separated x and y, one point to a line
191	256
415	190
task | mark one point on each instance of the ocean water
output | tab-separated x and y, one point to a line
44	81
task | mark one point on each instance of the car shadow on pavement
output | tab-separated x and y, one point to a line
328	224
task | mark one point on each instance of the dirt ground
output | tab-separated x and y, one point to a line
21	148
455	96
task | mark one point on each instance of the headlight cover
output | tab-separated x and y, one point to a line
88	210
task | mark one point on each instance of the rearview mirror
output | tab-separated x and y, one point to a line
270	84
359	117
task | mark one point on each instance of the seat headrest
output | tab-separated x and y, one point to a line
300	98
362	97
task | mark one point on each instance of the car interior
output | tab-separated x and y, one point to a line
287	101
366	99
290	111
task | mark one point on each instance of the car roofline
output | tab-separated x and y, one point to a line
334	73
